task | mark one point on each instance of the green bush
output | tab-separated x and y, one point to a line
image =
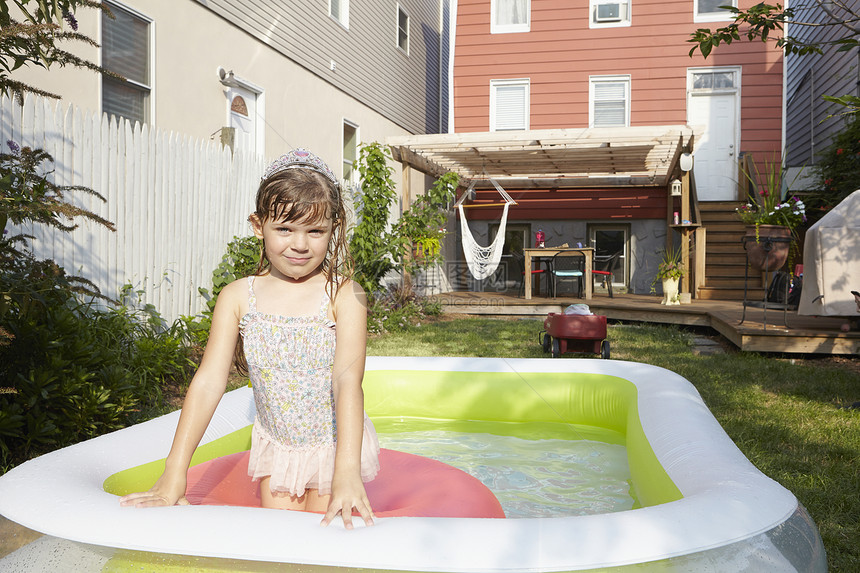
373	247
397	308
73	370
837	170
240	260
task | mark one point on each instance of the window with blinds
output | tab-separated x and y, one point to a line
126	51
339	10
609	101
509	105
510	16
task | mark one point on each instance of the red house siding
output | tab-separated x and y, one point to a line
560	52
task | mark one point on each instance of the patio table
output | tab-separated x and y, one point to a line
587	252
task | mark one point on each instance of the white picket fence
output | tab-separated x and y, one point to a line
176	202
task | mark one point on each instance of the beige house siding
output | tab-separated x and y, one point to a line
368	64
302	105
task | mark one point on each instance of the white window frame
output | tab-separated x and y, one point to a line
624	16
343	159
518	82
734	70
721	16
593	80
150	119
401	10
343	20
509	28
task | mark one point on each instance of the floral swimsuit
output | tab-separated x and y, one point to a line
290	361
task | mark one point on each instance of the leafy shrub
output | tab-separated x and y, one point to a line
420	229
240	260
396	308
372	245
838	169
73	370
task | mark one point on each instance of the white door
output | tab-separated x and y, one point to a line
243	117
713	99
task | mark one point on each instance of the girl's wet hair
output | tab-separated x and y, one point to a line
307	196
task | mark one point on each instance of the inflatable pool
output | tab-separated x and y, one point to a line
704	506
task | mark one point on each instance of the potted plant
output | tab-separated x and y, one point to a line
669	271
771	221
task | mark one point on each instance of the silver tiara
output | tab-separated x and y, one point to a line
300	158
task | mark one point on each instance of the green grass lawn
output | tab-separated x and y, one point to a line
786	415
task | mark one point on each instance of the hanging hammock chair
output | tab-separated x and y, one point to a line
483	261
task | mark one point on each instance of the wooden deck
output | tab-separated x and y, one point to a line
802	335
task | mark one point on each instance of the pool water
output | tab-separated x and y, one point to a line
531	477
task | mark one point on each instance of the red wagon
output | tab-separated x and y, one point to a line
574	333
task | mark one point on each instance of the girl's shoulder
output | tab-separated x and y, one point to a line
348	289
349	298
236	291
233	300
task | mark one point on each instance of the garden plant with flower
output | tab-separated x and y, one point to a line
669	267
766	205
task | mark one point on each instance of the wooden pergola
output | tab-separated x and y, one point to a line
559	158
646	156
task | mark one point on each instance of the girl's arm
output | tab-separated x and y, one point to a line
347	489
203	395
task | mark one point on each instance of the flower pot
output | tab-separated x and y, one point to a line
670	291
769	251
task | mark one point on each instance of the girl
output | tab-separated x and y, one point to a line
312	444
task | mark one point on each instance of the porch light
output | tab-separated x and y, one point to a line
686	162
676	188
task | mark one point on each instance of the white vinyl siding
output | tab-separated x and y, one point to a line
509	105
510	16
609	101
126	49
366	55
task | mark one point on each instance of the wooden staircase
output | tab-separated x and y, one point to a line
724	255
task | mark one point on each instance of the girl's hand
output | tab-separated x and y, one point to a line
348	494
161	494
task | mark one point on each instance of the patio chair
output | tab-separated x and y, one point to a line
603	265
566	267
519	259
